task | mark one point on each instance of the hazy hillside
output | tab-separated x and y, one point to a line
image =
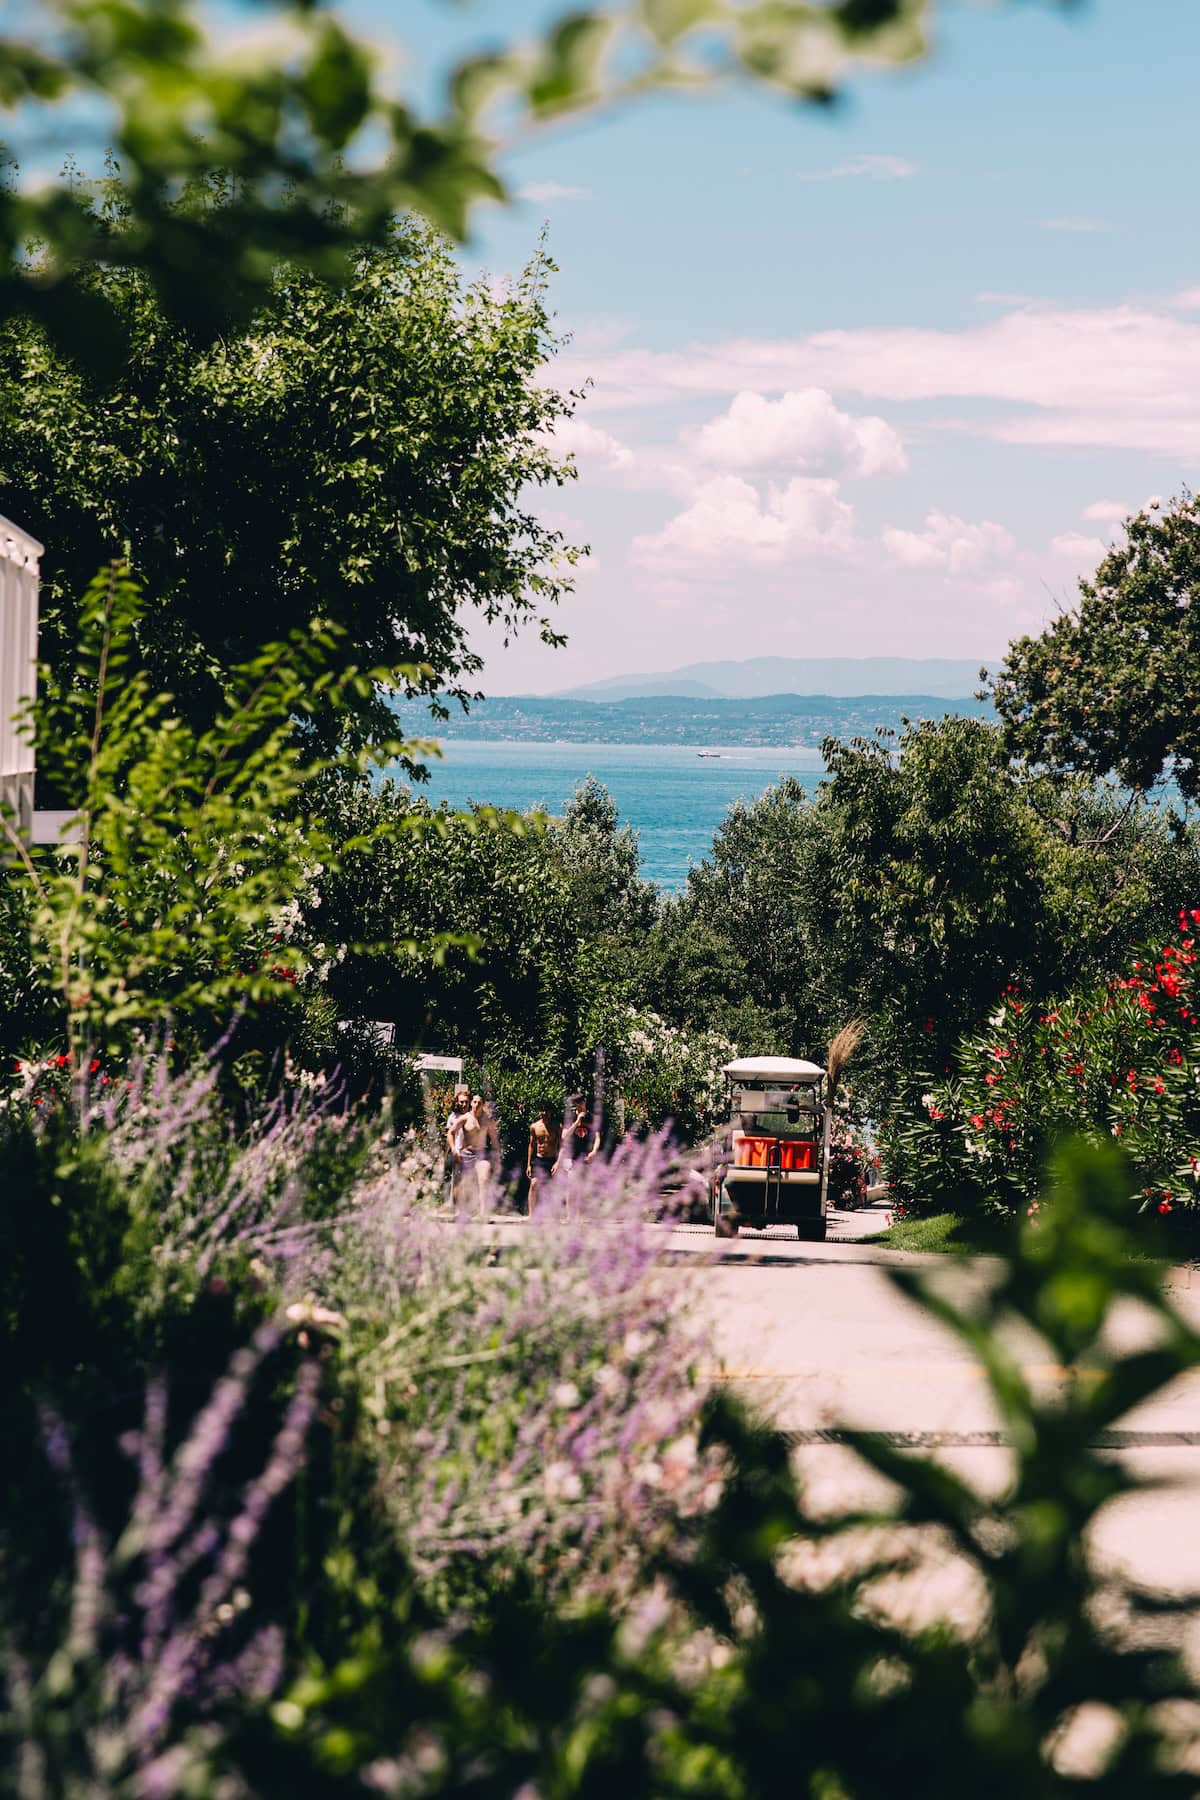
838	677
769	720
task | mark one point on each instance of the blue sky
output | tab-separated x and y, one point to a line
876	380
873	380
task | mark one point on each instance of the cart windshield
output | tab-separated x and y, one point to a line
777	1111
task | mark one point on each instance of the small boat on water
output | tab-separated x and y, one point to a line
715	753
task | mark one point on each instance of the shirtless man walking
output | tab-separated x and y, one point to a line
474	1143
545	1137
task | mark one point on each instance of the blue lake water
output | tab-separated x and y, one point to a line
673	797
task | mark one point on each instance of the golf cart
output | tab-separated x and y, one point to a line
776	1147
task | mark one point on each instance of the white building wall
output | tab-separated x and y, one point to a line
19	557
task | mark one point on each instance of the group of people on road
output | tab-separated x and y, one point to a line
554	1147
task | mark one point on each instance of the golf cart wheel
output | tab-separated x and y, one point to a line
724	1226
810	1231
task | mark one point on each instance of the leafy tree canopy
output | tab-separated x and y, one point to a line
926	875
750	896
603	865
360	453
321	149
172	895
1114	685
528	981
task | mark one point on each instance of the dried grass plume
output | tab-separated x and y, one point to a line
841	1049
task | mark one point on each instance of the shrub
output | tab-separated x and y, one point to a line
539	1397
748	1667
671	1075
1121	1060
853	1162
543	1399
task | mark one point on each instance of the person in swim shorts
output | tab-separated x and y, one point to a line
580	1140
545	1137
475	1145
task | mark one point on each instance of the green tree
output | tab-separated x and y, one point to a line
602	862
361	452
170	894
742	926
524	989
696	977
926	875
950	875
320	151
1113	686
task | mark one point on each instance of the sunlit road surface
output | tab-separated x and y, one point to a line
817	1336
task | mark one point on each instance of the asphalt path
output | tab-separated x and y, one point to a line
819	1337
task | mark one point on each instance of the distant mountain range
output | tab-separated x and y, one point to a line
775	720
836	677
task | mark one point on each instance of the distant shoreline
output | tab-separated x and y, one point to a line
770	722
721	750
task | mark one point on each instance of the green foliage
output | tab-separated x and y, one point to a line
771	1656
70	1256
519	981
359	453
554	916
1114	685
318	152
169	896
28	1016
740	936
926	875
600	859
672	1073
1121	1060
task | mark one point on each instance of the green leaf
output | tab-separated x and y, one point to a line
668	20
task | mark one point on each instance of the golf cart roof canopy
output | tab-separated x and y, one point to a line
773	1068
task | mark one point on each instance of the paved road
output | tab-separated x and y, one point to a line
818	1336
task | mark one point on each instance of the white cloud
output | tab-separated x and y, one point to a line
589	443
949	544
870	168
1107	512
1119	377
1187	300
803	429
729	519
543	191
1077	548
1077	222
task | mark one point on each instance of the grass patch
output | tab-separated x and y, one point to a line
992	1234
951	1234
